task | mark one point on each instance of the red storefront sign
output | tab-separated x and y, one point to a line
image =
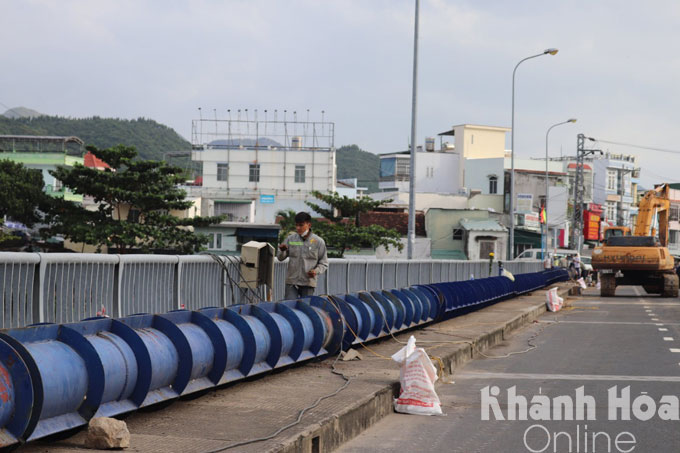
591	226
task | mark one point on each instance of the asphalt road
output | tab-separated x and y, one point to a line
604	345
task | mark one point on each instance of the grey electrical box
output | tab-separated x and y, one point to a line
257	265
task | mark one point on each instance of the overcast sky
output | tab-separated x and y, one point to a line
617	71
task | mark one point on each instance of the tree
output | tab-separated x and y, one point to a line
22	193
286	221
343	231
134	203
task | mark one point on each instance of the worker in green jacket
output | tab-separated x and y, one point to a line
308	258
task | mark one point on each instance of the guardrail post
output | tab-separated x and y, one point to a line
366	275
382	275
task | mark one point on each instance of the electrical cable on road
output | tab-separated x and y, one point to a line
347	380
300	414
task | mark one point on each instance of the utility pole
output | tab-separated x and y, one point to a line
579	191
412	168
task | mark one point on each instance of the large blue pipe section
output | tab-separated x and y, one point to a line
56	377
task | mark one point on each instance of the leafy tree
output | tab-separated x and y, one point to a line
22	193
343	231
148	188
286	221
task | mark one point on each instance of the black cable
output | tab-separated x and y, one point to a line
300	414
244	291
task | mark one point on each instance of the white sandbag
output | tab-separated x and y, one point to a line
553	301
507	274
417	376
582	283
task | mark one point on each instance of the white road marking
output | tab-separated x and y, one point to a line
675	350
625	323
655	319
663	329
668	339
648	311
565	377
611	302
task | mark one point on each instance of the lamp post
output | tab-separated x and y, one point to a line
545	206
511	244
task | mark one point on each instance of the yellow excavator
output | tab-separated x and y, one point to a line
640	258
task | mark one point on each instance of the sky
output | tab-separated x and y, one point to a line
617	69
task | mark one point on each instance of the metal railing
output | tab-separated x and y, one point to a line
65	287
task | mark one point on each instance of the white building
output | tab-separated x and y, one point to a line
252	169
436	172
350	188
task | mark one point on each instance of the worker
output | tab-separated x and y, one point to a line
577	266
547	262
308	258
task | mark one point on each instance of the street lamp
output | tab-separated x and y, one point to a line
511	245
545	205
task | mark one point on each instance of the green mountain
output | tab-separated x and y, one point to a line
354	162
149	137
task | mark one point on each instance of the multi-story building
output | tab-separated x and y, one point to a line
610	182
615	181
252	169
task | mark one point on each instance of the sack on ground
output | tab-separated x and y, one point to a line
553	301
417	376
582	283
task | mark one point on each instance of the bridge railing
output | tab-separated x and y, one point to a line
66	287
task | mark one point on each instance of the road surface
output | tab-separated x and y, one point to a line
604	346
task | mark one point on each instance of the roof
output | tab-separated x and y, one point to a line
539	172
585	166
475	126
92	161
482	225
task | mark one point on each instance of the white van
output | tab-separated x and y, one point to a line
537	254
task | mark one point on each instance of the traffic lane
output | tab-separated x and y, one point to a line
586	348
465	428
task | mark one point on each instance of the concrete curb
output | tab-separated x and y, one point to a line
328	434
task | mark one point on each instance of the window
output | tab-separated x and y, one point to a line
218	240
299	173
254	175
611	179
472	139
457	234
222	172
611	210
133	215
493	184
674	213
211	240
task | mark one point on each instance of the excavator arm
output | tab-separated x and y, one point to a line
654	202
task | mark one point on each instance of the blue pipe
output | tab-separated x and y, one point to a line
56	377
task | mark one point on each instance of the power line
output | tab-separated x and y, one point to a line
630	145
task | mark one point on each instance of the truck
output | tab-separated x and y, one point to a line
641	258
